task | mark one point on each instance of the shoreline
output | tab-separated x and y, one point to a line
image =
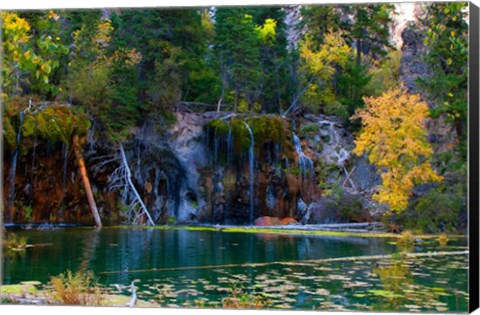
365	230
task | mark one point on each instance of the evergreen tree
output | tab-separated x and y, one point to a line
237	49
367	29
446	56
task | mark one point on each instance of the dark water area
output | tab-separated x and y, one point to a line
191	268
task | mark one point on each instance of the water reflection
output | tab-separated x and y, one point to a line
118	252
180	267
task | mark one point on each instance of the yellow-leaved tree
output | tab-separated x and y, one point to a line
394	137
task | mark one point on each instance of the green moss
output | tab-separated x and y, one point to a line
241	136
267	129
220	127
309	130
266	230
10	135
19	288
57	123
54	123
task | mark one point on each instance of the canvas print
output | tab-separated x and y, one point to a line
303	157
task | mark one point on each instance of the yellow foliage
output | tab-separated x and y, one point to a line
23	54
443	239
322	63
394	136
267	31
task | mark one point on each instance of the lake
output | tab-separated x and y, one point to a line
183	268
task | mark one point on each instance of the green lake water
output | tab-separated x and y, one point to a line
181	268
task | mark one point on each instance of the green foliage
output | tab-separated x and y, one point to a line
237	50
93	78
319	68
55	123
309	130
29	61
337	55
321	20
385	74
447	58
351	83
368	29
171	220
437	211
28	212
249	50
14	242
51	122
172	44
11	120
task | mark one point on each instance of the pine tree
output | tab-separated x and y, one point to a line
446	56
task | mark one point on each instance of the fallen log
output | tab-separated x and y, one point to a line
86	181
293	263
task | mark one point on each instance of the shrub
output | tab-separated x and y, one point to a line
406	239
437	211
443	239
241	300
309	130
14	242
76	289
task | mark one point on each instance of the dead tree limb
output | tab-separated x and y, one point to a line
128	177
133	301
298	97
348	179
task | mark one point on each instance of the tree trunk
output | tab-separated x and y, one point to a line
86	182
236	101
224	83
359	52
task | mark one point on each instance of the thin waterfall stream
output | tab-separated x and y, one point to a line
13	168
304	162
251	166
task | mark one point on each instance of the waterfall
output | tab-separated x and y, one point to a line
251	165
227	170
334	150
65	165
229	145
304	162
215	145
13	167
33	169
61	216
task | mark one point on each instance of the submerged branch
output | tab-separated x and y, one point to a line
133	301
294	263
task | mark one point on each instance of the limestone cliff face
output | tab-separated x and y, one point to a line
292	21
412	67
